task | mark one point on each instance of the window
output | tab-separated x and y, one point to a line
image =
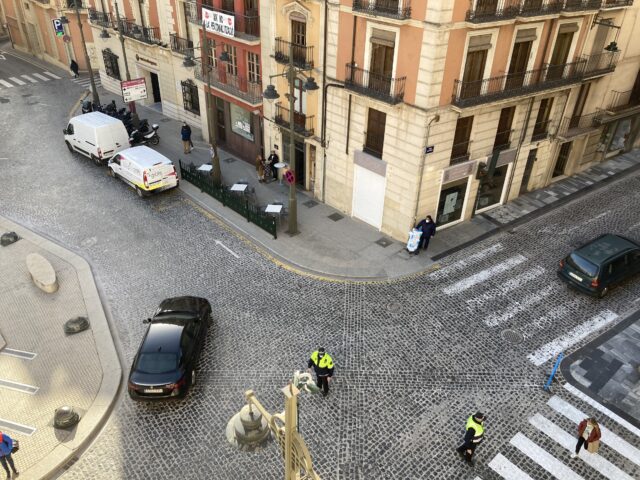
111	67
563	158
232	65
503	135
381	63
212	61
190	98
298	32
227	5
542	120
374	136
520	57
561	51
460	149
241	123
69	130
253	63
474	66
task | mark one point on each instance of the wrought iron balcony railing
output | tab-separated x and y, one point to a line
616	3
73	3
149	35
621	101
398	9
460	152
577	5
181	45
103	19
572	126
302	54
240	87
302	123
540	131
600	63
532	8
494	10
245	26
486	90
502	141
375	85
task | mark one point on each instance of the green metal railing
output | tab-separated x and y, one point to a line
238	203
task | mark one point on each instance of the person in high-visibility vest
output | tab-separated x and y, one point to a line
473	436
322	363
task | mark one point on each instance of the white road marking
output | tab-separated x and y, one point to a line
41	77
507	470
547	461
12	352
18	387
51	75
517	307
27	77
17	427
568	441
6	84
608	437
218	242
484	275
602	409
2	57
550	319
565	231
462	264
551	349
512	284
17	81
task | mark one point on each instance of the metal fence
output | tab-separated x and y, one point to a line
238	203
376	85
389	8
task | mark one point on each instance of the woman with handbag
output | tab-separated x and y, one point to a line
588	435
8	446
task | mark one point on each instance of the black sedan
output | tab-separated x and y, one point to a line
164	366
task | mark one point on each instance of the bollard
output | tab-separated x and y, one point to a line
547	385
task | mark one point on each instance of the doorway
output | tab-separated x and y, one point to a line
299	158
563	158
155	87
526	176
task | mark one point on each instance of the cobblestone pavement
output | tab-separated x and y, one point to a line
413	358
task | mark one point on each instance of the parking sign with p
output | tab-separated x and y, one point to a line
57	27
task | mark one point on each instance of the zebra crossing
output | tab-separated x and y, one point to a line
32	78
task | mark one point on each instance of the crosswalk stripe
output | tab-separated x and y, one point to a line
51	75
17	80
484	275
462	264
511	284
551	349
609	438
6	84
27	77
41	77
495	320
547	461
568	441
507	470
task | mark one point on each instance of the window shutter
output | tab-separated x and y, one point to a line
383	37
479	42
526	35
568	28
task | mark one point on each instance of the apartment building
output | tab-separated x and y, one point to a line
451	108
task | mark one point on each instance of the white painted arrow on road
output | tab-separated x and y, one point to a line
218	242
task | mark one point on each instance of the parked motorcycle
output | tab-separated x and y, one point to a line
87	106
138	138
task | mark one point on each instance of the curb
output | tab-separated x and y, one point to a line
98	412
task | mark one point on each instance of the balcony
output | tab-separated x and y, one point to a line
460	153
375	85
616	3
181	45
302	123
235	85
73	3
100	18
574	126
580	5
246	27
502	141
534	8
540	131
476	92
622	101
302	54
397	9
496	10
150	35
600	63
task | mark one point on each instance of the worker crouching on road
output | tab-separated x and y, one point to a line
473	436
322	363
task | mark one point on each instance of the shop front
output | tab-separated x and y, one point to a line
238	130
453	193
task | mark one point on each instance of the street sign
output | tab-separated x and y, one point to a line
58	27
217	22
289	177
133	90
429	149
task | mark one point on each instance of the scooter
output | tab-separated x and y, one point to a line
138	138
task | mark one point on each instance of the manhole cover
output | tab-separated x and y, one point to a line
512	336
383	242
394	307
229	160
335	217
310	203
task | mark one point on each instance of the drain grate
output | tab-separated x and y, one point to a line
310	203
512	336
394	307
383	242
229	160
335	217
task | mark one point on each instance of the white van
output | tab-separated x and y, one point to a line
144	169
96	135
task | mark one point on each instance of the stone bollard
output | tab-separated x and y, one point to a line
248	430
42	273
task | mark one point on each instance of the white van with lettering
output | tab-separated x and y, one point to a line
96	135
144	169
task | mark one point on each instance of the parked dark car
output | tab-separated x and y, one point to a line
164	366
595	267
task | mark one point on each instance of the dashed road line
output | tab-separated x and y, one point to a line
18	353
484	275
6	84
52	75
17	427
510	285
461	264
17	81
543	458
18	387
27	77
495	320
507	470
41	77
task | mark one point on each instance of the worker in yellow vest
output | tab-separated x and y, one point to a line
322	363
473	436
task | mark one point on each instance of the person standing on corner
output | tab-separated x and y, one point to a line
6	446
260	168
428	228
473	436
322	363
185	133
588	432
273	159
74	68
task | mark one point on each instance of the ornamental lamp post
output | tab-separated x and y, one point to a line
132	104
94	91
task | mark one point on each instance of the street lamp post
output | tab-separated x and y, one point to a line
271	94
94	91
132	104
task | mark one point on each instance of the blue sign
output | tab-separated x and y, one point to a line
57	27
429	149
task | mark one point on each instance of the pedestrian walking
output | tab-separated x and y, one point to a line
428	228
588	435
260	168
74	68
273	159
322	363
473	436
7	445
185	133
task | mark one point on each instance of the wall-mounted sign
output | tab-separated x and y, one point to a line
146	60
429	149
133	90
458	171
57	27
220	23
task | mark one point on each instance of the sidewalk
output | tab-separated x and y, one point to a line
43	369
331	244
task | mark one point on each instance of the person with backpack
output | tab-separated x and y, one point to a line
7	446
